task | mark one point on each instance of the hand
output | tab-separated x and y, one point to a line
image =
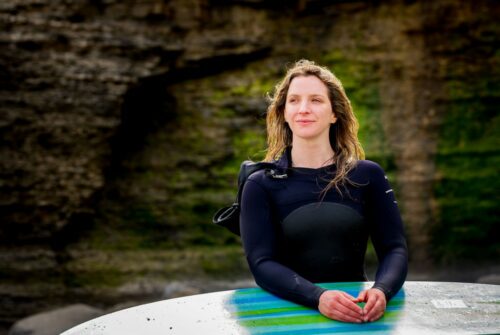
375	304
338	305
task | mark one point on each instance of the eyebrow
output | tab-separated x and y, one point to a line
310	95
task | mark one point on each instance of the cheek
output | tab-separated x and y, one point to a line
286	114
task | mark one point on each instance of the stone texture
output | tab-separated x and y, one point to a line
74	64
123	125
55	321
489	279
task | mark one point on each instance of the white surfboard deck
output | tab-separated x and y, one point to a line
419	308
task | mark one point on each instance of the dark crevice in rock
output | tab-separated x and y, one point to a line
199	68
146	108
77	225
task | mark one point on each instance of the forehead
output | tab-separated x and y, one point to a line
307	85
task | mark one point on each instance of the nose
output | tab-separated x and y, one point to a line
304	107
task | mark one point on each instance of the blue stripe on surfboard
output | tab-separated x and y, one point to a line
252	299
243	309
327	327
305	312
261	313
249	306
256	294
311	316
322	328
278	314
279	330
271	301
344	286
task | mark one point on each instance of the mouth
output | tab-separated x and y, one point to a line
304	121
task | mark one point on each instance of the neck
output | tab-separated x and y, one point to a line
311	155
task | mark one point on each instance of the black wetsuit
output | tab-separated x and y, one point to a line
293	238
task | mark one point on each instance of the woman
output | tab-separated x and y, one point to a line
313	225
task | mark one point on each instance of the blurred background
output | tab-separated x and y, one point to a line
123	124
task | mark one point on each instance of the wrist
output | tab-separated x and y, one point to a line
382	290
320	295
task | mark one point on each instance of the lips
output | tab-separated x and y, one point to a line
304	121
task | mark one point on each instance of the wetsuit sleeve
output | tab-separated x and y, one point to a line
259	241
387	233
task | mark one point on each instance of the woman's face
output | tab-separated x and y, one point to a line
308	110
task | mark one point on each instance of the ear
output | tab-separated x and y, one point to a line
334	118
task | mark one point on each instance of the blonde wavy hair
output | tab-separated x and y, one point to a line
343	133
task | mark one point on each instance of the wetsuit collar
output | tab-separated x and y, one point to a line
285	161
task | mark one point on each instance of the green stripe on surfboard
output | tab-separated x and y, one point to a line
263	313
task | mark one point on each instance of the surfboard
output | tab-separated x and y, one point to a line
418	308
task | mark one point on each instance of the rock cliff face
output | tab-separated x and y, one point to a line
123	125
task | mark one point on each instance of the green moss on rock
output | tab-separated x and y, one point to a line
360	82
467	162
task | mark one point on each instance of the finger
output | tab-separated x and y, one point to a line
354	301
339	316
361	296
375	316
347	296
341	306
336	311
348	307
370	300
348	300
376	312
